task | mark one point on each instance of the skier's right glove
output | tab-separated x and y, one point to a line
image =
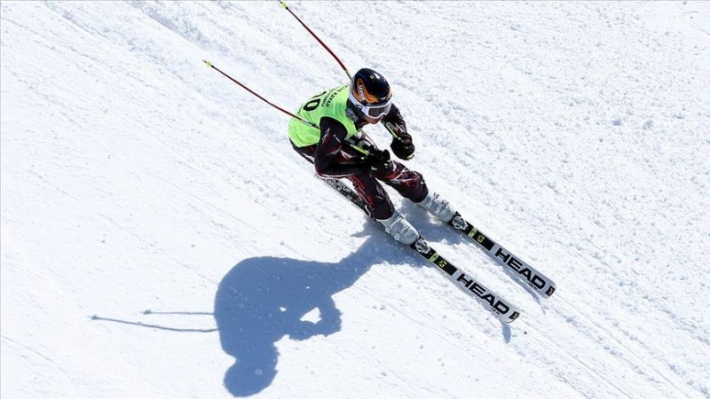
377	160
403	147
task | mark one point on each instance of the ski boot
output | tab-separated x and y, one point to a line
399	228
438	207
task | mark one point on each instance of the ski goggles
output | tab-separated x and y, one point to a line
374	111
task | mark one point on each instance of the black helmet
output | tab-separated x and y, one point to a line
370	93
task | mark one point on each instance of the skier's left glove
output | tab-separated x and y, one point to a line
403	147
376	161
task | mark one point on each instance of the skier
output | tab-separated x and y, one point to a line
336	150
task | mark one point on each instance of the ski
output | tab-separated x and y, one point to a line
504	310
540	283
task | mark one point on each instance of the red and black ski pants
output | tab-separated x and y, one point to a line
408	183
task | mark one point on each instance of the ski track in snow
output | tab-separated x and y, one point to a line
135	178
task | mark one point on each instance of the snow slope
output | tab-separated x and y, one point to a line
161	239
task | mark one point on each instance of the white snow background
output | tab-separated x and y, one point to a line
161	239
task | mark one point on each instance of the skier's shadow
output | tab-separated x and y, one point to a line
263	299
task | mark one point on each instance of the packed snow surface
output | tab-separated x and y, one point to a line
161	239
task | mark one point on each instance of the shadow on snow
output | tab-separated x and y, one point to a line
263	299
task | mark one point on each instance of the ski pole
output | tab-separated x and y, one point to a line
285	7
210	65
292	115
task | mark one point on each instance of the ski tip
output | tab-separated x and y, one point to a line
550	290
283	5
509	316
209	64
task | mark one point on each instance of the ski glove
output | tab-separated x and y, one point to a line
377	160
403	147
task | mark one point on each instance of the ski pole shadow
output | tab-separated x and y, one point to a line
263	299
